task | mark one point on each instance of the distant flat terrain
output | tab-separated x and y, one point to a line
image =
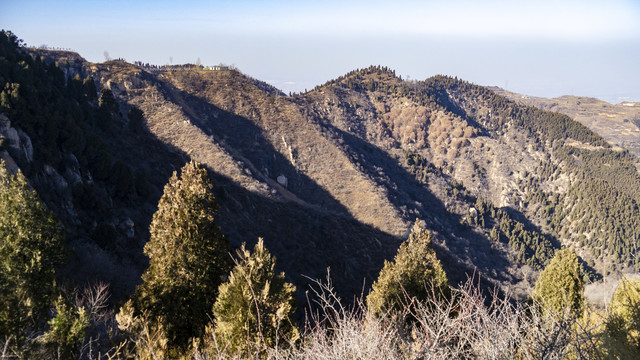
616	123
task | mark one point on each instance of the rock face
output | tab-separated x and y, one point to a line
473	213
25	145
9	162
71	63
56	181
282	180
16	142
19	146
9	134
128	226
72	170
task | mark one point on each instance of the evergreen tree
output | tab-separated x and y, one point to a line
121	177
622	337
98	158
108	107
74	86
136	117
255	306
31	246
412	274
89	88
188	257
66	331
107	101
626	303
143	340
560	285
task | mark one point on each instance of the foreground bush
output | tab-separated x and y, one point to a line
31	247
465	325
255	307
622	335
413	271
560	284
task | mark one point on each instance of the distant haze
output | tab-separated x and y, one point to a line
541	48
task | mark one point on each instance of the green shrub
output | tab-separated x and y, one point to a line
256	305
414	271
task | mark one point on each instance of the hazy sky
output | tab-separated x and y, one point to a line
543	48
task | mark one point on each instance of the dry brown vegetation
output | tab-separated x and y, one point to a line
466	325
327	166
339	148
334	176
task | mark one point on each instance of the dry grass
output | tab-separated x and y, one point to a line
286	127
466	325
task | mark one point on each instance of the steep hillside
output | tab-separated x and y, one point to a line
619	124
83	160
585	190
330	178
323	168
546	170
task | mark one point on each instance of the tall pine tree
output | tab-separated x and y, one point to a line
188	257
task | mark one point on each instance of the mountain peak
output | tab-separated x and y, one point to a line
369	78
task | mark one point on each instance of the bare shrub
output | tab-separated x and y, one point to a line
94	298
6	352
463	326
331	331
466	325
337	332
560	335
142	338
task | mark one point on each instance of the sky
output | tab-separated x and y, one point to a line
540	48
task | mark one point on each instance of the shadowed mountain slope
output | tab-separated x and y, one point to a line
335	176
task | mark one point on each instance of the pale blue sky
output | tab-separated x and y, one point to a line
543	48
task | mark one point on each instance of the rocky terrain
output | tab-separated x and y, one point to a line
334	177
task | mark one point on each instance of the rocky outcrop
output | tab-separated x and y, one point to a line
71	63
14	140
14	143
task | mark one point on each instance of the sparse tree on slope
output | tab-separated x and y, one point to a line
108	102
560	286
255	306
89	88
136	118
188	257
414	272
108	107
31	246
626	304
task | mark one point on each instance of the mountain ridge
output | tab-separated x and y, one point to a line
618	123
335	176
